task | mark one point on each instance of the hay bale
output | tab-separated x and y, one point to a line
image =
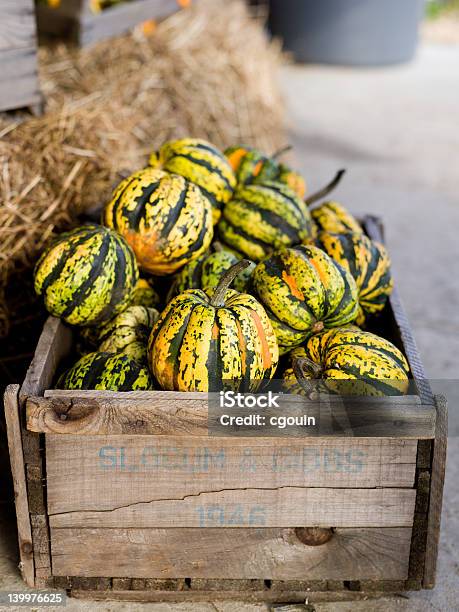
208	72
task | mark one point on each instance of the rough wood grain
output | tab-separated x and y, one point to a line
411	400
131	469
120	415
19	483
218	553
53	345
18	55
249	507
436	493
17	24
166	413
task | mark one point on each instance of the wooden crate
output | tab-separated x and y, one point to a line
18	56
126	496
76	20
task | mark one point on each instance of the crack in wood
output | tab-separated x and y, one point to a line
212	492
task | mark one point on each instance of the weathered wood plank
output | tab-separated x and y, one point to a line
19	483
412	400
130	469
217	553
54	344
41	548
277	507
18	55
17	24
88	416
167	413
106	481
122	18
75	18
436	493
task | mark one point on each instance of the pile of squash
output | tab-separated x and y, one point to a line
211	270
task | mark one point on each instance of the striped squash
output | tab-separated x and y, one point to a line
347	361
145	294
128	332
333	217
206	272
203	343
304	291
106	371
165	218
369	264
293	179
201	163
87	275
252	166
261	218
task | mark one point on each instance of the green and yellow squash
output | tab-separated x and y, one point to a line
333	217
165	218
201	163
304	291
107	371
252	166
261	218
145	294
347	361
206	271
87	275
128	332
369	264
206	341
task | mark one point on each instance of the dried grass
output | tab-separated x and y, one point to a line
207	72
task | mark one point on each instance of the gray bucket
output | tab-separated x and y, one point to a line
349	32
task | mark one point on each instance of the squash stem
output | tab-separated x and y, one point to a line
325	190
281	151
218	298
303	368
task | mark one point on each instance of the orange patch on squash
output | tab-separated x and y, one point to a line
291	282
319	269
267	361
184	3
235	158
257	168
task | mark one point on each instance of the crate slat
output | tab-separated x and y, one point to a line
278	507
213	553
18	55
11	406
168	465
436	494
186	414
75	19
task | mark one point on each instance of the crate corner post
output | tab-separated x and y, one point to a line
13	425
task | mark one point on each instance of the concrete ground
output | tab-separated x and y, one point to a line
396	130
